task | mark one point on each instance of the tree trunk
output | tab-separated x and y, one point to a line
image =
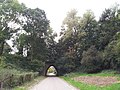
21	50
1	48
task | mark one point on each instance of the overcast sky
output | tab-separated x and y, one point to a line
56	10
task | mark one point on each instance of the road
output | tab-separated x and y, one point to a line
53	83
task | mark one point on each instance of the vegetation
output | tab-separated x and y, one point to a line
12	77
84	86
29	85
21	25
92	60
85	44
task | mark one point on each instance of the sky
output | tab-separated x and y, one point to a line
56	10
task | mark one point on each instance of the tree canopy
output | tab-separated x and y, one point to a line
85	44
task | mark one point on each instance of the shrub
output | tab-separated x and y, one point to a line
112	54
28	77
15	78
92	60
65	65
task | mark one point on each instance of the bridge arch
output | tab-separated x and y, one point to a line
47	65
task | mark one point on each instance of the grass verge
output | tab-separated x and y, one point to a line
84	86
28	85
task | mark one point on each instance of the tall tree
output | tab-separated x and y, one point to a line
36	27
9	13
33	41
51	44
69	35
108	26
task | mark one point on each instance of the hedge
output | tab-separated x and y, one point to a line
16	79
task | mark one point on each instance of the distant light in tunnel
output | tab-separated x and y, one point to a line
51	71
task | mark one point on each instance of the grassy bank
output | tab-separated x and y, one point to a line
13	77
28	85
84	86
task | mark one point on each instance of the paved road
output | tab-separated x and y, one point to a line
53	83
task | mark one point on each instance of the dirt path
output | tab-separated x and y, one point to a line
53	83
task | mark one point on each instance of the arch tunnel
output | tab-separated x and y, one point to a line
50	69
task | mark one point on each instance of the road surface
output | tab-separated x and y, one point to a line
53	83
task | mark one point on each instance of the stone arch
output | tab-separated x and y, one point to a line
48	64
48	68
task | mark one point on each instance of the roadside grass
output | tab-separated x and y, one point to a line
29	85
84	86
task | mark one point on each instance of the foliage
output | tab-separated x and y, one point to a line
108	26
2	61
65	65
112	54
83	86
79	34
27	28
28	85
91	60
12	77
10	11
85	43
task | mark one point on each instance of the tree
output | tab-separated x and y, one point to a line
92	60
87	34
108	26
112	54
36	27
78	35
89	27
51	44
69	35
33	41
9	13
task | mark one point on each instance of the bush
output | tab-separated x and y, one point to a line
112	54
15	78
92	60
65	65
28	77
2	61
